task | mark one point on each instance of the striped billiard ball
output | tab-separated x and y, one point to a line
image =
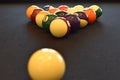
39	18
74	22
83	18
47	20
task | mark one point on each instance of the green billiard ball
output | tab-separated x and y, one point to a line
47	20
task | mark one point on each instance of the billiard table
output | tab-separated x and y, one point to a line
92	53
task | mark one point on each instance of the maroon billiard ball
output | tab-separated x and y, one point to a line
83	18
35	12
74	22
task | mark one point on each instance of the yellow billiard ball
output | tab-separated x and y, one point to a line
78	8
70	10
39	18
60	27
46	64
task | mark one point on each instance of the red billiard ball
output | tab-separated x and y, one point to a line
74	22
63	7
34	13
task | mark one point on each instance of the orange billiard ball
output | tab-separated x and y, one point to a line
91	15
30	10
46	64
53	10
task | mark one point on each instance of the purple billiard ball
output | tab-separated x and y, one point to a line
83	18
74	22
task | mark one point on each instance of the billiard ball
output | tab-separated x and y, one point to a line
83	18
53	10
70	10
91	15
30	9
74	22
34	13
59	27
46	64
39	18
61	13
97	9
78	8
63	7
47	20
47	7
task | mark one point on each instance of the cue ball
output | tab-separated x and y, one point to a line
47	20
59	27
30	10
46	64
39	18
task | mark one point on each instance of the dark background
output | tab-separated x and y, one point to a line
92	53
59	1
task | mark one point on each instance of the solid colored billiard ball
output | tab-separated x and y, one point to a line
83	18
74	22
34	13
91	15
53	10
63	7
47	7
47	20
30	10
78	8
97	9
59	27
70	10
61	13
46	64
39	18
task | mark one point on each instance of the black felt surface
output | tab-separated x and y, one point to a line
92	53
